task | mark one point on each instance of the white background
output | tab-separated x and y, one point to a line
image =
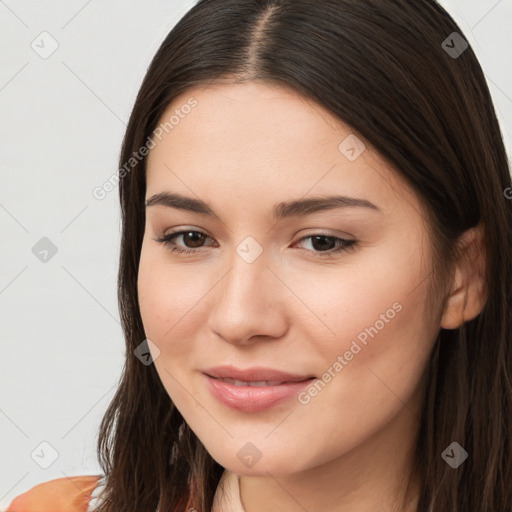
63	119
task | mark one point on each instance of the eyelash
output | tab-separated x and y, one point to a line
344	244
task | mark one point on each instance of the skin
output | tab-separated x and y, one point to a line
243	149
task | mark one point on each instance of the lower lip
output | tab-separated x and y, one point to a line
253	398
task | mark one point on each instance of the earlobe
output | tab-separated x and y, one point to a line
468	293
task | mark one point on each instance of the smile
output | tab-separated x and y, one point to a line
252	383
253	396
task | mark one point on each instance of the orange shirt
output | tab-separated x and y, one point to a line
68	494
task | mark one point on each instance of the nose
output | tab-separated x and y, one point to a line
247	303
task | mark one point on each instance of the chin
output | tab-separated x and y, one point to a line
249	460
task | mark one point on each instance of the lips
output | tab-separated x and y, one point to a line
252	383
254	389
254	376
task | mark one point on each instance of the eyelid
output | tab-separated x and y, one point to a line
343	244
310	232
182	231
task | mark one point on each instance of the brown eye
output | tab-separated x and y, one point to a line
323	245
327	245
192	239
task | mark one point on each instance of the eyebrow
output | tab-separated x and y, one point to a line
281	211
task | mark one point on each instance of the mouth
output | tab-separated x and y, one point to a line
257	375
254	395
255	383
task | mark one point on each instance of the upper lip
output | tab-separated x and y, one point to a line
254	374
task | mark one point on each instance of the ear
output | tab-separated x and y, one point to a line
468	292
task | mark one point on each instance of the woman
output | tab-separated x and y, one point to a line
315	273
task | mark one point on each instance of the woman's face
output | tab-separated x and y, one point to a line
337	292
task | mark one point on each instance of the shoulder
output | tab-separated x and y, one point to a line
68	494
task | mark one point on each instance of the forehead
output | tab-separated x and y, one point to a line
253	114
265	140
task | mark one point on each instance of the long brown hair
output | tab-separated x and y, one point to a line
382	68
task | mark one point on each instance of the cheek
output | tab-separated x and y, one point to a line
153	295
374	335
170	297
381	340
374	291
